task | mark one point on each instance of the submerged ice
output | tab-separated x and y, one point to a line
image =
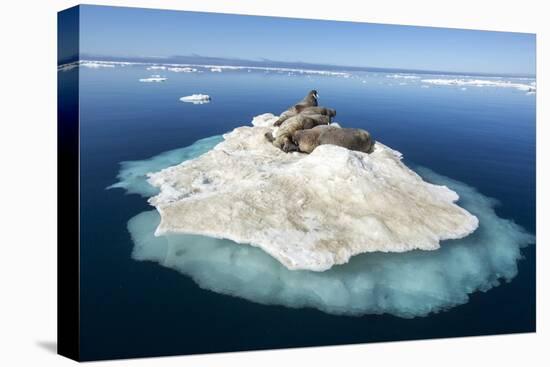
408	284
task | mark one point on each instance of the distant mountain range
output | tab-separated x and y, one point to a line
208	60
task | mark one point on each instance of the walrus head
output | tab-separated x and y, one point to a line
314	94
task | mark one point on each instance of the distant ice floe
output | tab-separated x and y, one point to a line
402	76
196	99
192	68
407	285
156	67
182	70
93	64
104	64
96	65
153	79
529	88
281	70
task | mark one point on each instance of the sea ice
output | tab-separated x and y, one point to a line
196	99
182	70
482	83
402	76
96	65
153	79
264	120
308	211
408	284
132	176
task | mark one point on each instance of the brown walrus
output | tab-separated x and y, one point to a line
301	110
283	136
309	101
353	139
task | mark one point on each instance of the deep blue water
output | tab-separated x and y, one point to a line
482	136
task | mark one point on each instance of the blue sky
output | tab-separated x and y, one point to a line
130	32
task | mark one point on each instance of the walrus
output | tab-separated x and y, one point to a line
309	101
303	110
353	139
316	110
283	136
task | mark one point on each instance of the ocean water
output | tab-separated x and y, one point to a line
480	135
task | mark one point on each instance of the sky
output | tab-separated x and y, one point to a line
133	32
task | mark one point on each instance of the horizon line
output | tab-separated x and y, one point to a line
151	60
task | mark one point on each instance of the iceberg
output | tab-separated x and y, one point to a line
310	212
196	99
408	284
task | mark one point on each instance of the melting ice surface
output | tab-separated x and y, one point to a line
409	284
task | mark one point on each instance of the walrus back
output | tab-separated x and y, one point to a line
353	139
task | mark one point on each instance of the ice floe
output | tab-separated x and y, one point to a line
182	70
153	79
196	98
192	68
531	87
402	76
156	67
96	65
408	284
307	211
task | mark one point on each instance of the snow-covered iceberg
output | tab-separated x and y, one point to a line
196	98
307	211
